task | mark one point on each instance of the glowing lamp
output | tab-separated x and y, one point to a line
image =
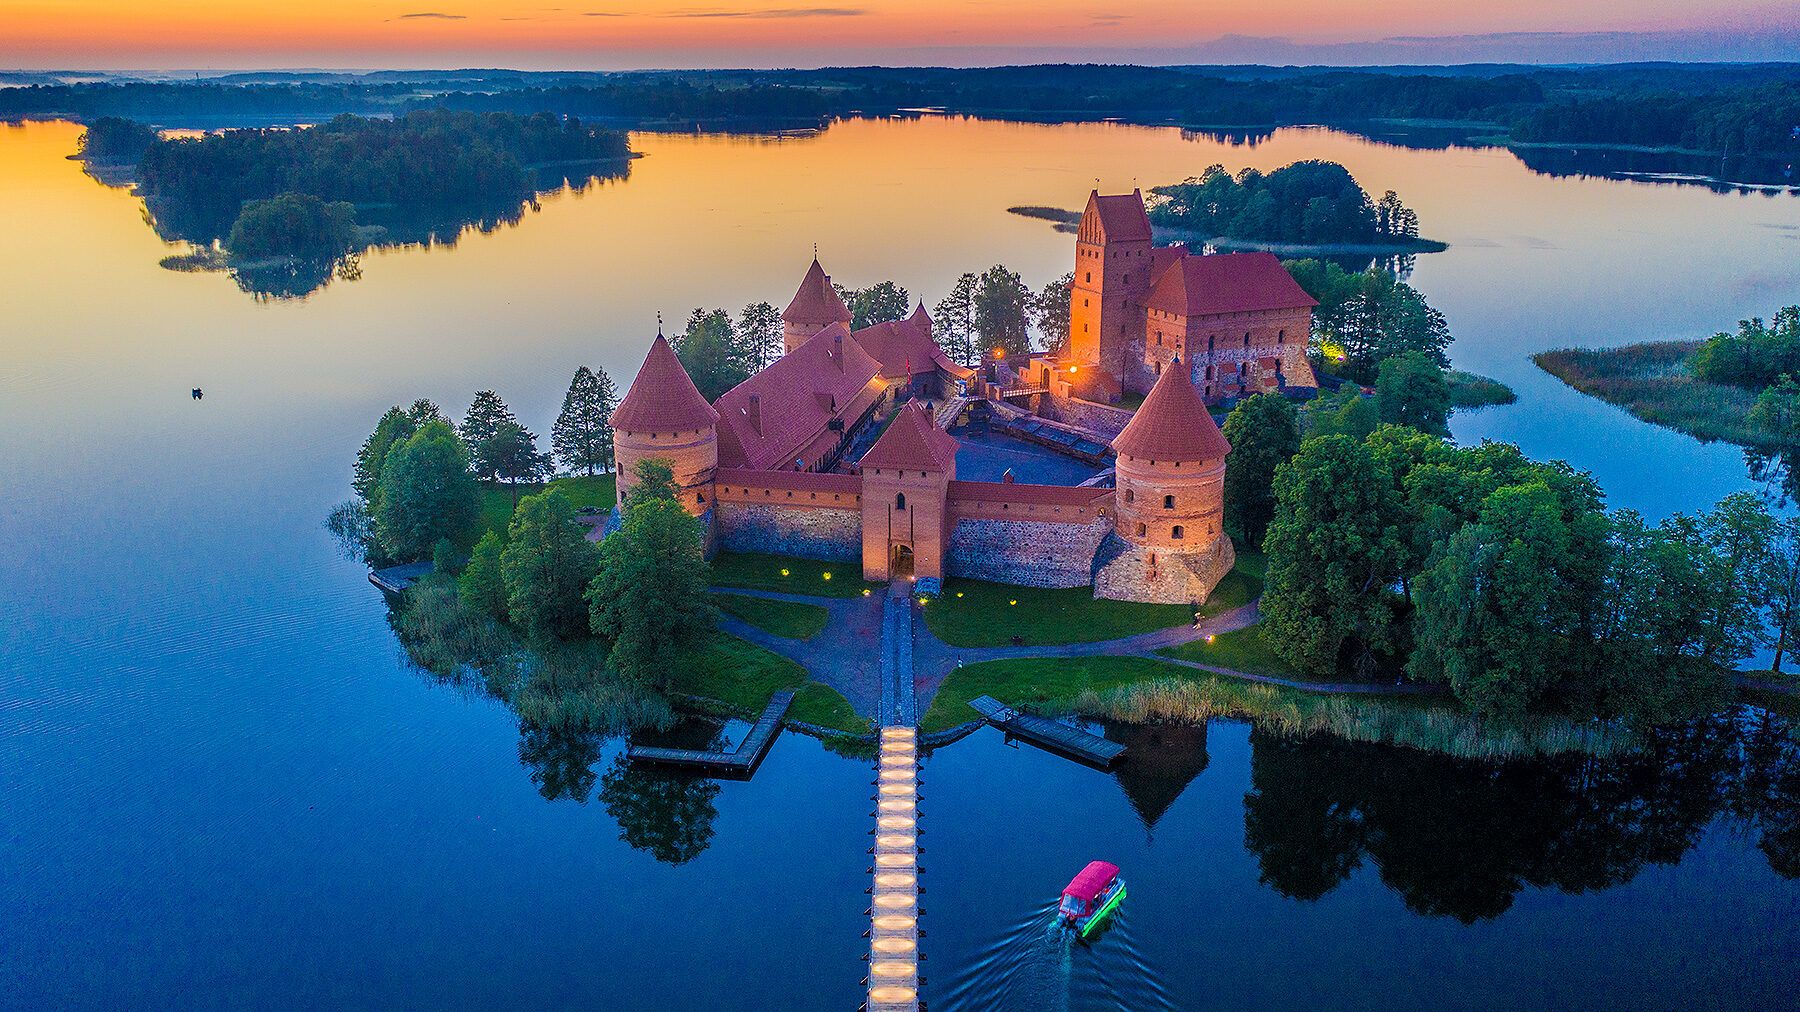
784	572
827	576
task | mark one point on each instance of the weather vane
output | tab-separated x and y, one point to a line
659	323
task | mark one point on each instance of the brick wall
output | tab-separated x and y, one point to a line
1024	552
1104	420
807	532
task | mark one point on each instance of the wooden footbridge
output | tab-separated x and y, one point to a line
740	762
1049	735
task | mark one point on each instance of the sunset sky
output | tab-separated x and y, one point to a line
229	34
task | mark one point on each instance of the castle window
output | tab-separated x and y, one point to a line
1280	337
1159	368
699	496
1089	278
1141	530
1159	339
1168	502
1128	277
1130	496
1175	532
900	501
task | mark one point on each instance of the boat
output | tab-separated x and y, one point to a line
1091	896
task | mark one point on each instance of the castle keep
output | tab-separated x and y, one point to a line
840	449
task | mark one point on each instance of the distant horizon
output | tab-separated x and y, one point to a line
209	36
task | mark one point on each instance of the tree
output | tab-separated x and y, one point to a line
1333	554
955	320
1264	432
1364	318
1777	412
395	426
709	351
655	480
483	419
482	585
1050	312
1000	304
875	304
511	455
759	336
547	564
293	225
583	436
426	493
1395	219
1782	600
1345	413
650	597
1410	389
1733	541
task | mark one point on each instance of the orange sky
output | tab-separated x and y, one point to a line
624	33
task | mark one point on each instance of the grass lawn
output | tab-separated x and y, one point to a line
788	575
1654	382
1239	650
783	618
1050	683
743	676
598	492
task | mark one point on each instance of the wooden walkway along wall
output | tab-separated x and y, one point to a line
742	761
1049	735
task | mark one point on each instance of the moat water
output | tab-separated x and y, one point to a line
220	784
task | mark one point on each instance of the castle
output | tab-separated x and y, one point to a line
838	450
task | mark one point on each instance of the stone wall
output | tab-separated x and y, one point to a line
1128	572
1104	420
1025	552
806	532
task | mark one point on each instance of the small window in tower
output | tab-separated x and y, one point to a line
900	501
1159	368
1175	532
1159	339
1142	530
700	497
1130	496
1089	278
1281	337
1168	502
1128	277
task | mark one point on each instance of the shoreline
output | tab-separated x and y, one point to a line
1651	381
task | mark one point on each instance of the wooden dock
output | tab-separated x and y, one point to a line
1049	735
395	579
740	762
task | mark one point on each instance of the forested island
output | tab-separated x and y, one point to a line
283	206
1745	115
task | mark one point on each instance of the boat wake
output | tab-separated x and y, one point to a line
1037	963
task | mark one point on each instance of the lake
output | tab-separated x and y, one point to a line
223	786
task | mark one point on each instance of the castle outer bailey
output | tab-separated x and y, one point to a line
839	450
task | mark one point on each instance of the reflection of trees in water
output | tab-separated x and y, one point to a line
561	762
668	815
1774	471
1462	838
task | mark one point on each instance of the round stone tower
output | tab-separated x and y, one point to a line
816	306
1169	502
664	416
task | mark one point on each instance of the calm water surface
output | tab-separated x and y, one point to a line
221	786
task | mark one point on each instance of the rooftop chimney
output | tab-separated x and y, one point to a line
755	412
837	350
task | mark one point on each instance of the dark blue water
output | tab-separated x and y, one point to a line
220	784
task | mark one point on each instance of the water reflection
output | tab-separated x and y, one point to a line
667	815
561	761
1165	758
1462	839
1036	963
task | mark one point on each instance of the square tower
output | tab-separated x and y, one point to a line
1106	301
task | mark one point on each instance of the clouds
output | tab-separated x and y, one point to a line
432	16
733	13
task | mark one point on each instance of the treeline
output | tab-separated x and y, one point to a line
111	137
423	160
1761	120
1756	356
1305	202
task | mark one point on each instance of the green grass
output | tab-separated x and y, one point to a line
1141	690
1240	650
1654	382
596	492
783	618
986	615
743	676
788	575
1467	390
1131	401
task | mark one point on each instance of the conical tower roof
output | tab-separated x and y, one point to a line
1173	423
912	442
816	301
663	398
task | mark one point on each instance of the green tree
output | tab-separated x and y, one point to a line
650	597
1777	412
511	455
487	412
1733	541
583	436
759	336
875	304
293	225
547	564
1345	413
1001	302
426	493
1410	389
1264	432
1782	583
1050	311
709	351
1333	555
482	585
955	319
395	426
655	480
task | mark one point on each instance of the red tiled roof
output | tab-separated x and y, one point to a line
1022	494
912	440
1227	283
662	397
905	348
794	481
1122	215
795	400
1173	423
816	301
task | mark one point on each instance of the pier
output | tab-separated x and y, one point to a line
1049	735
740	762
395	579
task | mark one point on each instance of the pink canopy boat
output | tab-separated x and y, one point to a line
1091	896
